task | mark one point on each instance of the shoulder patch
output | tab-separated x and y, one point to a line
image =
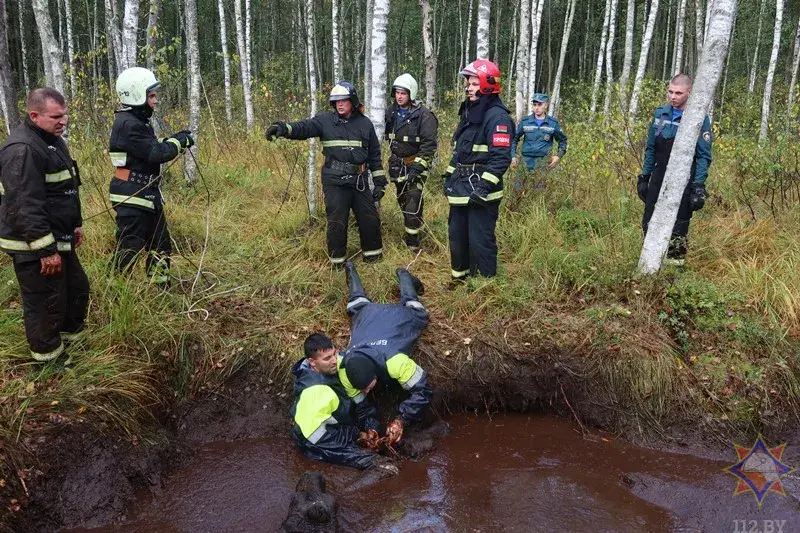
502	128
707	136
502	140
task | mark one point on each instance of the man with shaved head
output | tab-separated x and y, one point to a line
40	225
662	133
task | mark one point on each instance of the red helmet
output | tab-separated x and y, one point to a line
488	74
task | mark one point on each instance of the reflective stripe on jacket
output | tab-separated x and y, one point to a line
665	127
415	135
537	141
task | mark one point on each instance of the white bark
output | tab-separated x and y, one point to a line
226	60
754	66
624	78
645	50
23	45
677	57
245	72
113	35
377	108
337	61
193	63
522	59
312	84
368	52
666	40
51	53
8	93
430	58
70	47
676	178
601	52
699	27
153	20
773	60
248	41
482	29
130	27
469	34
536	23
555	95
795	65
612	28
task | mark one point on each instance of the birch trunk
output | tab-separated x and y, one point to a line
624	78
193	63
248	42
153	19
522	59
754	66
70	47
612	28
130	27
795	65
337	62
226	60
773	60
699	27
377	108
51	53
245	73
482	29
536	23
645	50
666	41
23	45
312	83
368	52
676	178
7	89
468	40
598	72
113	36
555	97
430	58
677	61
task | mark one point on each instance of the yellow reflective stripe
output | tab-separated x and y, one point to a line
402	368
379	173
351	391
289	129
64	246
494	195
392	136
337	260
131	200
342	143
176	142
458	200
412	231
421	161
22	246
411	139
48	356
450	169
315	408
480	147
370	253
57	177
2	189
459	273
118	159
491	178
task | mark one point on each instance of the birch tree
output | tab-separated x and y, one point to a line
337	62
368	52
7	90
555	93
70	47
377	108
468	37
522	59
130	27
312	84
153	19
633	108
193	63
598	73
226	60
23	45
612	28
754	66
430	57
773	60
680	30
482	29
113	36
699	27
245	72
536	24
51	53
677	175
795	65
630	23
248	42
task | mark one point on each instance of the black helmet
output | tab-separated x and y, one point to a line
344	90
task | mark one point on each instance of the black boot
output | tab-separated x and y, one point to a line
410	286
354	283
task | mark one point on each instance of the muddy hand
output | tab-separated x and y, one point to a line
394	431
369	439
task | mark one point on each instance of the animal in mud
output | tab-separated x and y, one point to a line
313	509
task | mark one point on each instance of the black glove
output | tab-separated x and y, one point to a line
445	178
377	193
184	137
697	196
412	175
278	129
641	186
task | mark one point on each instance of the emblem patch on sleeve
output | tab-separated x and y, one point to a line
502	128
707	136
502	140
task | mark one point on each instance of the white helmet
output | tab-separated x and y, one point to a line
134	84
407	82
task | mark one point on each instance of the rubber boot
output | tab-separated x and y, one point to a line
358	296
410	286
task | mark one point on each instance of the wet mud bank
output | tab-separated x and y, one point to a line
79	476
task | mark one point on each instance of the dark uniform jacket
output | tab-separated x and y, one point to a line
386	333
39	182
482	152
660	138
539	139
349	141
323	424
134	146
412	139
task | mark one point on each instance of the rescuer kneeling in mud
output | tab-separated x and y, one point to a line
381	339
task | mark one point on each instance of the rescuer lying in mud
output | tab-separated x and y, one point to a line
331	412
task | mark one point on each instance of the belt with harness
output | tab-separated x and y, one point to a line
349	169
124	174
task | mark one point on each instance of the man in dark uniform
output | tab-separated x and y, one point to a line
382	339
473	182
40	225
412	131
661	136
352	150
135	188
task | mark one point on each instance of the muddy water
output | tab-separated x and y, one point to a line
511	473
